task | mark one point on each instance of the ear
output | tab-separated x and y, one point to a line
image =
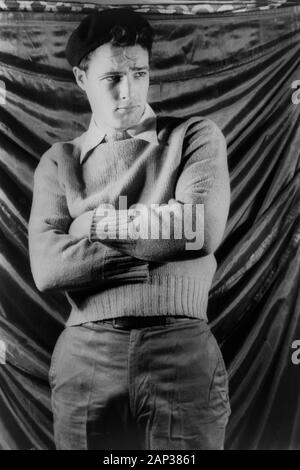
80	77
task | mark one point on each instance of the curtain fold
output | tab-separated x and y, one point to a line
236	69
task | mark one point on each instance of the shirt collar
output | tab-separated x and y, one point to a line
145	130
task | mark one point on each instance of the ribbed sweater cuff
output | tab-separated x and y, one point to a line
119	266
116	223
93	233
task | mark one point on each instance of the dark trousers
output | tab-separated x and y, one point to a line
160	387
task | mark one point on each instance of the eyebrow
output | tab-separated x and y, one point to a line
116	72
140	68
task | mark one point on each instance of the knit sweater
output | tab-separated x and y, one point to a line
112	278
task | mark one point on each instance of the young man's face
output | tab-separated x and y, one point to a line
116	84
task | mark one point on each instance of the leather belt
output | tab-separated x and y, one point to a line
130	323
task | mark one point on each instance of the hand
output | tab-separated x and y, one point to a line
80	227
112	223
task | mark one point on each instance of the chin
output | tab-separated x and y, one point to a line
126	123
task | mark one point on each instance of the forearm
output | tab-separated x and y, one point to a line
60	262
157	233
58	259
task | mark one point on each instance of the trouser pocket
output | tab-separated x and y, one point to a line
55	357
219	387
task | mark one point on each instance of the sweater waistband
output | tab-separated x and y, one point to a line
163	296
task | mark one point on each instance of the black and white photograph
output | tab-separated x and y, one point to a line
149	227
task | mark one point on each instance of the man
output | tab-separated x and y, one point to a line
125	219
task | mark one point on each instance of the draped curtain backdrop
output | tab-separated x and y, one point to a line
237	67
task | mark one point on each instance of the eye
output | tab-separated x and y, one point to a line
140	74
112	78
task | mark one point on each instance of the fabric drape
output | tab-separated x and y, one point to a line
237	69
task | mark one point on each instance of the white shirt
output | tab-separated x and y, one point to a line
145	130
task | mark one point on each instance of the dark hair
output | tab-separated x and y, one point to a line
122	36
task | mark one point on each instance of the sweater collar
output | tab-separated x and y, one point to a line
145	130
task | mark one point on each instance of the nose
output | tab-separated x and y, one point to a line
126	88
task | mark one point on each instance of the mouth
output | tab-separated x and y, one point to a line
127	108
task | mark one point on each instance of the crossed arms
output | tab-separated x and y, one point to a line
71	254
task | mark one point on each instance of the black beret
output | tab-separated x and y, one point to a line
95	30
